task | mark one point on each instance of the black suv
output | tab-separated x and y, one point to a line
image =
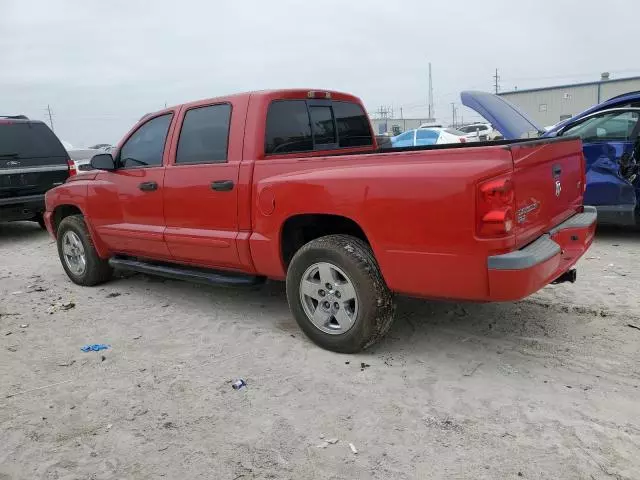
32	160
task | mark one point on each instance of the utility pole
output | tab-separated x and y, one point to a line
453	114
50	117
496	79
401	115
431	109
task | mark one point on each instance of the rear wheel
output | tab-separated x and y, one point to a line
78	255
337	294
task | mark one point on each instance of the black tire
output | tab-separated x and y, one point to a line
97	270
376	307
40	221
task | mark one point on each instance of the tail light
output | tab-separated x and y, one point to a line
72	168
495	212
463	140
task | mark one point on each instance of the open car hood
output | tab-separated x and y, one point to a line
504	116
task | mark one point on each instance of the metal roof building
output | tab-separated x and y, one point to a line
548	105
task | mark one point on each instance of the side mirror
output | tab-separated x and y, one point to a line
103	161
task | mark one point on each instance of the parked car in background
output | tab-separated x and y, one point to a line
81	159
609	133
290	185
101	146
32	161
481	132
428	136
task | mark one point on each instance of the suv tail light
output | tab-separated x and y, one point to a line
72	168
495	207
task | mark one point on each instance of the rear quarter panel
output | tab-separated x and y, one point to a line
417	210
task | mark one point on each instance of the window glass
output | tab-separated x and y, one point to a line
615	126
322	125
146	146
204	135
29	140
353	125
288	127
425	136
406	136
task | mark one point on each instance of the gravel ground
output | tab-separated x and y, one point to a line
546	388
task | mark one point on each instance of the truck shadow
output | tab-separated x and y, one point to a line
11	231
612	233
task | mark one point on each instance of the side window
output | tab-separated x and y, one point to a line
204	135
353	125
605	128
406	136
324	131
288	127
146	146
426	137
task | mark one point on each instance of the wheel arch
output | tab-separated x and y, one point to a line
298	230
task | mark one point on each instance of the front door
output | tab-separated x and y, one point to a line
125	205
201	188
607	137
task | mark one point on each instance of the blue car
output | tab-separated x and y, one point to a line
609	133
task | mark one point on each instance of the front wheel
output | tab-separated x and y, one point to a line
78	255
337	294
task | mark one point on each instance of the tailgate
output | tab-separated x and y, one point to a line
549	185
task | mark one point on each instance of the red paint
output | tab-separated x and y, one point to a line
422	211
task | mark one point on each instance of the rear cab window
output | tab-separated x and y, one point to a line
315	125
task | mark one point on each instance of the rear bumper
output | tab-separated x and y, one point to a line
21	208
518	274
623	215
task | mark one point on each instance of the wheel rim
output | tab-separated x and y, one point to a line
73	253
329	298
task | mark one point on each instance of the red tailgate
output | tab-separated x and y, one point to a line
549	184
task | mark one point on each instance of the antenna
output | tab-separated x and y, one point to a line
50	118
432	111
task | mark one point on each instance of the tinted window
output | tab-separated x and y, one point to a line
146	146
204	135
353	125
322	125
29	140
453	131
288	127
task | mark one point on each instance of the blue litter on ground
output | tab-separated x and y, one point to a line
96	347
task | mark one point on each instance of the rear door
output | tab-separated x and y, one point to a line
201	186
32	159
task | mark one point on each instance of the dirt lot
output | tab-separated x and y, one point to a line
545	388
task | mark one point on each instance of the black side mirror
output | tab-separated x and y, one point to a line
103	161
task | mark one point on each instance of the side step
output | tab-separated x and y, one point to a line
189	274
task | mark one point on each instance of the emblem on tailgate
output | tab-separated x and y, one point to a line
521	215
558	188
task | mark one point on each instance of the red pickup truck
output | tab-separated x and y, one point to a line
290	184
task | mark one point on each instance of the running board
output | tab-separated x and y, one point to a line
189	274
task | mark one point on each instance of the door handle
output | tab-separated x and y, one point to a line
148	186
222	185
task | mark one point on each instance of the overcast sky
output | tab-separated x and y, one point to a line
101	65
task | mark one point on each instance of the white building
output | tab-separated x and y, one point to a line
394	126
548	105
